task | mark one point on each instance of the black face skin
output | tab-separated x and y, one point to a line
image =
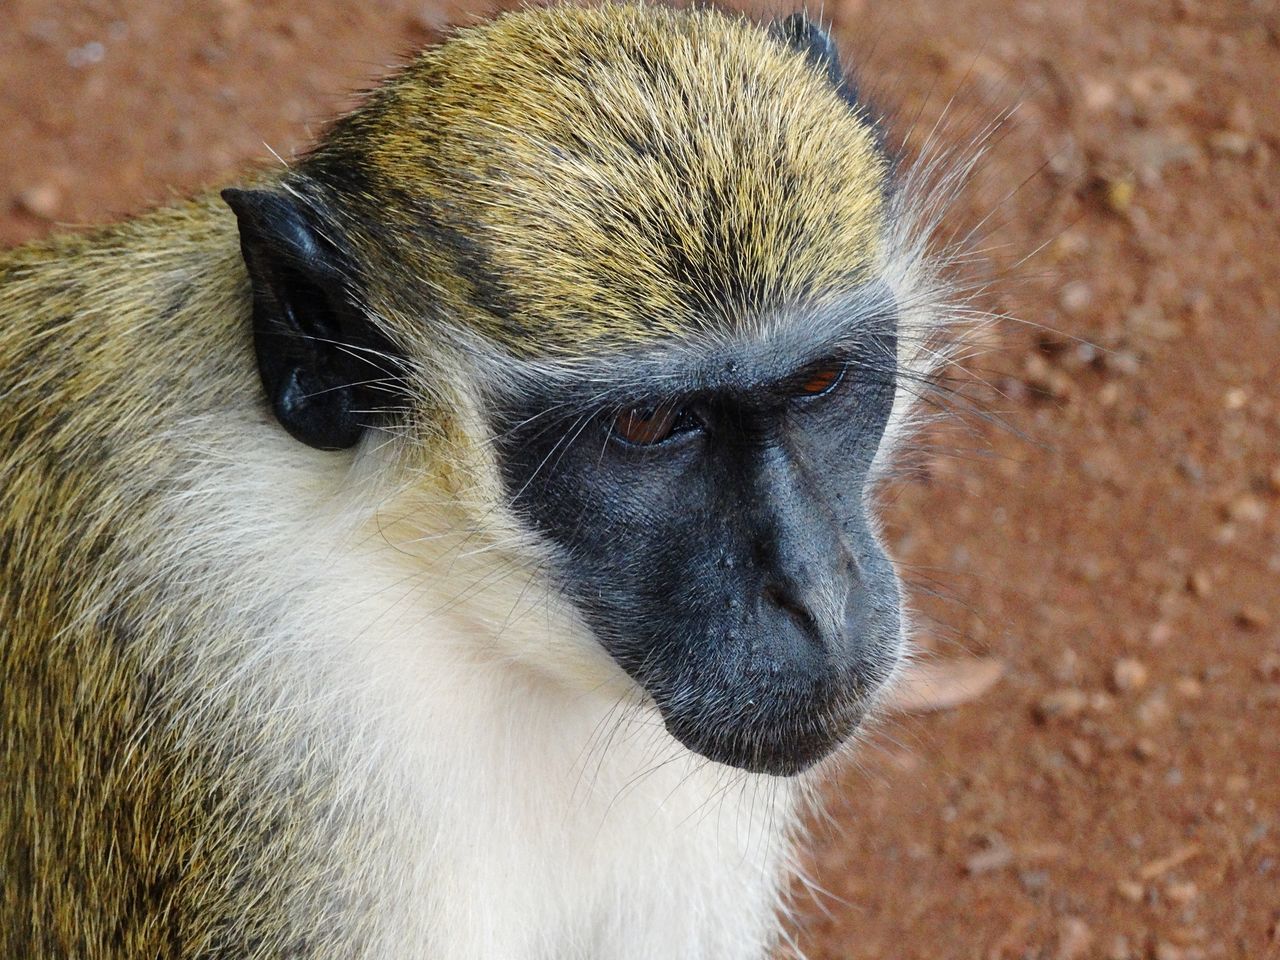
729	568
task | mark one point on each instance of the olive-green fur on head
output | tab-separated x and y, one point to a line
603	177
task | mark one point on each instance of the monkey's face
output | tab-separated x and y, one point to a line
714	533
660	234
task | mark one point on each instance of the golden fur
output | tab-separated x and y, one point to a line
605	179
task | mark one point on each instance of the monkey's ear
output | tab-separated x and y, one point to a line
806	36
302	319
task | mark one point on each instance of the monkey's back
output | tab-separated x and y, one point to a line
119	829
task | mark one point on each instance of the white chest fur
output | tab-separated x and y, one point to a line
506	794
556	821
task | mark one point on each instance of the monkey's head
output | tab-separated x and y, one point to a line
635	261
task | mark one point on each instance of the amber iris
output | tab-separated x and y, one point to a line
643	426
821	379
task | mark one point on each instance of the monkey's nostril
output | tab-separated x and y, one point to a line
784	600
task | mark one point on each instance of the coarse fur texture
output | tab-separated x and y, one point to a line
263	700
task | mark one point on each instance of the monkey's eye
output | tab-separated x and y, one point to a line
820	378
645	426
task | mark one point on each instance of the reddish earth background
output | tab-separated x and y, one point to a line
1111	540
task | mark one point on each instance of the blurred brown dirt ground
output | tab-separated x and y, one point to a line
1108	526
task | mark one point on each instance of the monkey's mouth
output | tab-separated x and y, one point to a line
780	739
771	713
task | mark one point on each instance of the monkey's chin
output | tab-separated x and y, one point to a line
785	749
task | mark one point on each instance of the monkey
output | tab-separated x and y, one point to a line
459	543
